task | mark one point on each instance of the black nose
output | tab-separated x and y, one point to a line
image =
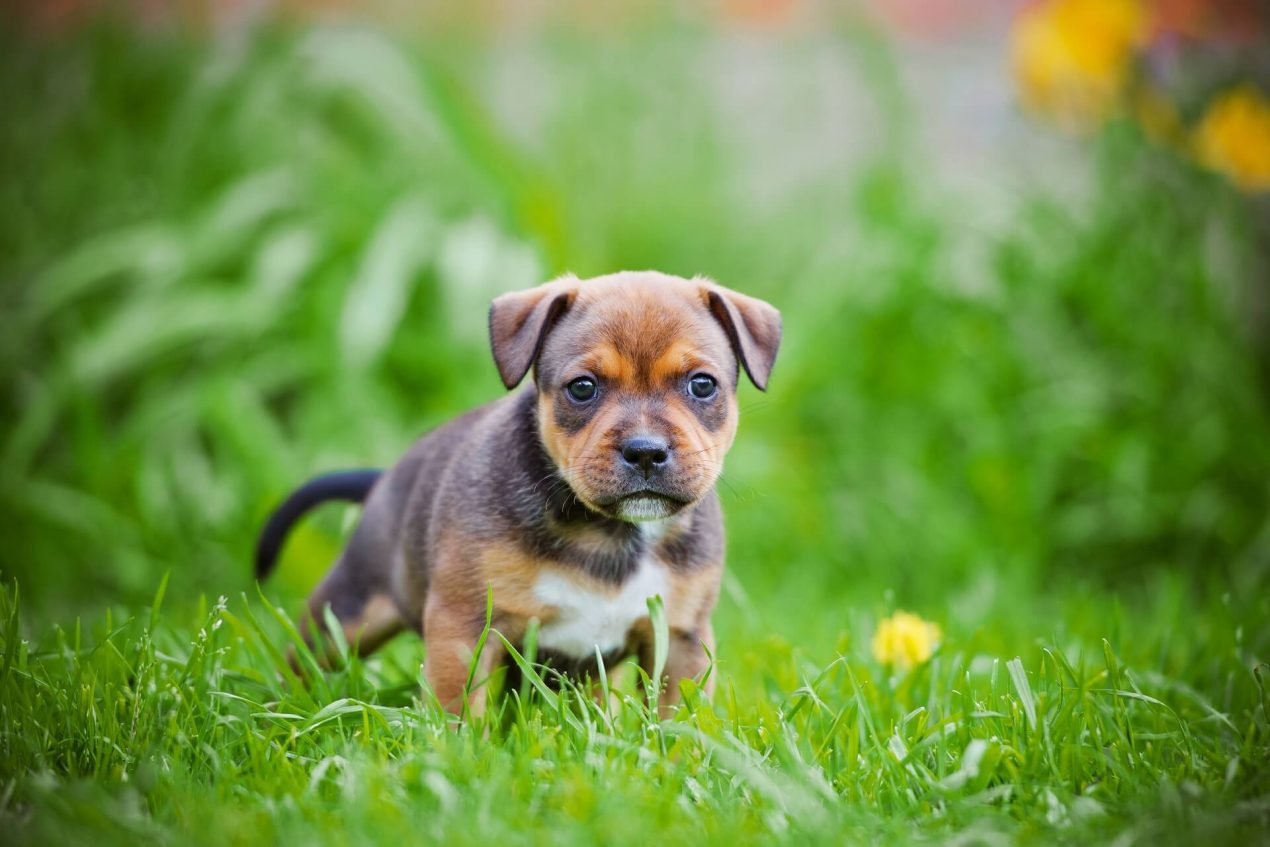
647	454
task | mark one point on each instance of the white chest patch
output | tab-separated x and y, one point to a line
586	619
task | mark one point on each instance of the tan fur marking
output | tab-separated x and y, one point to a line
692	597
572	455
555	440
607	363
511	575
676	362
379	621
450	645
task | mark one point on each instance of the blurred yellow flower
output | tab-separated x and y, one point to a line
904	640
1234	138
1072	58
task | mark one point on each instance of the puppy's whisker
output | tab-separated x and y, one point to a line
732	488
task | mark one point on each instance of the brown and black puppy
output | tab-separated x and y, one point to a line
573	501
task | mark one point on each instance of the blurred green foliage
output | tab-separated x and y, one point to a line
231	264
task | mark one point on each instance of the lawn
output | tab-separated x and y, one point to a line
229	263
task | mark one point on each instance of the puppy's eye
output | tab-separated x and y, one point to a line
581	389
702	386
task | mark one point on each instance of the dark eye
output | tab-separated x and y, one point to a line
581	389
702	386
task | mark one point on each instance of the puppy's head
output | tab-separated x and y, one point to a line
636	376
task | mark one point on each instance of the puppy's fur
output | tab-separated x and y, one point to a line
573	512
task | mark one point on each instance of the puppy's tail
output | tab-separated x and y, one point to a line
352	486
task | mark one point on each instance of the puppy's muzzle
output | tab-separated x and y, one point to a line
646	484
645	455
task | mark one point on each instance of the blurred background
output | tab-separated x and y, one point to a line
1022	250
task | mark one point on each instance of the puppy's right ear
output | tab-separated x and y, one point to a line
519	323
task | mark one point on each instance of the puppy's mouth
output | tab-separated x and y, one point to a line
645	505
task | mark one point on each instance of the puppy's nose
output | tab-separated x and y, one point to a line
645	453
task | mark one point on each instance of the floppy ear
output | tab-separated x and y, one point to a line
519	323
753	327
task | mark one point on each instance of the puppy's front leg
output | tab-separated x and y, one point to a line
451	637
687	658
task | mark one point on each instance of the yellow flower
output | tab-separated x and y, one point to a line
1234	138
904	640
1072	58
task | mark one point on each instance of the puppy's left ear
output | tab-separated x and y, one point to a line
519	323
753	327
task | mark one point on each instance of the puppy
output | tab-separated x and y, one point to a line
573	501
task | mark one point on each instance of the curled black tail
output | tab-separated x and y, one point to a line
352	486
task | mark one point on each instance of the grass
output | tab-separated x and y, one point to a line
229	264
162	728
